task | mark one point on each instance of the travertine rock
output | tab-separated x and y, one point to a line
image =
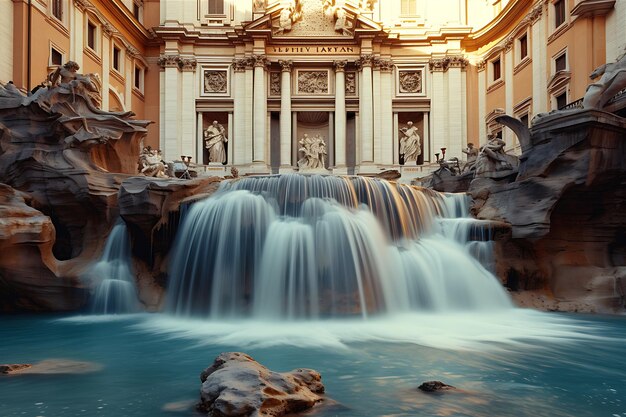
237	385
567	211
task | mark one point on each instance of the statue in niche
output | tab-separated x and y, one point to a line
290	13
472	154
613	79
492	158
410	146
214	139
314	150
151	162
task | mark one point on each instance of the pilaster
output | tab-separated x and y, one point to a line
386	114
340	114
238	140
285	115
366	117
260	110
171	106
188	109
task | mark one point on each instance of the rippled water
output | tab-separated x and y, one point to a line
520	364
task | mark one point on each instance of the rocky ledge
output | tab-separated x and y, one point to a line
237	385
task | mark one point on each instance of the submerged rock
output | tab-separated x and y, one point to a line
435	386
237	385
51	366
12	368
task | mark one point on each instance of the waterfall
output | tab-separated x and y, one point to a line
296	246
116	292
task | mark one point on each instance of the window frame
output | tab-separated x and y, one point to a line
492	67
55	48
409	13
57	6
139	86
560	13
120	58
563	53
96	32
224	8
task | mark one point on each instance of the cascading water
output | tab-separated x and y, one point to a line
296	246
116	292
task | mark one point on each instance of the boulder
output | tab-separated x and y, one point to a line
435	386
237	385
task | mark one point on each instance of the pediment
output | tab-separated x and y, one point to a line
328	19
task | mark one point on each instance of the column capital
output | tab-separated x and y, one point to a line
169	61
286	66
385	65
442	64
364	61
480	65
340	66
188	64
260	61
240	64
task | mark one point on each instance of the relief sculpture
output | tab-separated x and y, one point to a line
313	82
215	82
410	81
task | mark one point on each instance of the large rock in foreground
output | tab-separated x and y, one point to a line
237	385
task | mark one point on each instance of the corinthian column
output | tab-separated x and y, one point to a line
340	114
260	109
285	115
367	99
238	142
385	116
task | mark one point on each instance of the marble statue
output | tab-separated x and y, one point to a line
290	13
335	10
314	150
214	139
151	161
613	79
472	154
410	144
492	158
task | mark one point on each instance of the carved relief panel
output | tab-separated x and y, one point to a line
410	81
312	82
274	83
215	81
350	83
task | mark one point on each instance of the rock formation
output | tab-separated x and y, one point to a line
567	213
58	149
237	385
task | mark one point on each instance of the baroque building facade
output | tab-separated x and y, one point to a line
353	73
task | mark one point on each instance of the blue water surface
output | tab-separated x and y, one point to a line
147	373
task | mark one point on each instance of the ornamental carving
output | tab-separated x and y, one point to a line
313	82
410	81
274	83
384	65
480	65
240	65
286	66
260	61
367	5
188	64
364	61
215	81
340	65
442	64
169	61
351	83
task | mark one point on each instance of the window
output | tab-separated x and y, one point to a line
560	63
117	59
216	6
136	10
91	35
496	69
559	13
561	100
408	7
57	9
524	119
56	57
138	81
523	47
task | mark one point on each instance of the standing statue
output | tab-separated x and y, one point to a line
472	154
214	139
314	150
335	10
410	144
612	81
